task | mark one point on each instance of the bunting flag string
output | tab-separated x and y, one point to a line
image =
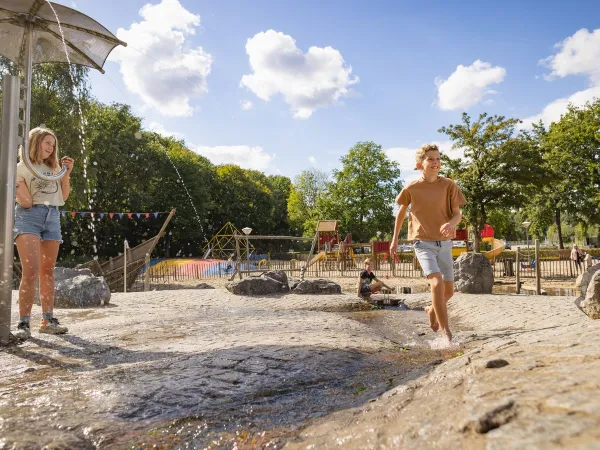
111	215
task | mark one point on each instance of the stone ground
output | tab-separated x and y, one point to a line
206	369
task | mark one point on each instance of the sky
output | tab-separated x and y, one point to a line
284	86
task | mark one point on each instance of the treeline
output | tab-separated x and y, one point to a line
549	177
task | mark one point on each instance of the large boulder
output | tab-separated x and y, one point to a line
584	279
591	302
78	288
272	282
318	286
473	274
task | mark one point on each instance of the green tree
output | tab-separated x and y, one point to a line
302	201
499	170
362	194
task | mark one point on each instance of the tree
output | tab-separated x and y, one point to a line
498	170
362	194
571	149
302	201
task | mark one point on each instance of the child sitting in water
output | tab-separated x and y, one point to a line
366	287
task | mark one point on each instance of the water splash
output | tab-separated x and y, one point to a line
81	135
442	343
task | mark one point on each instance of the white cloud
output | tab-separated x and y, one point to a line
160	129
306	81
555	109
405	157
242	155
159	65
578	54
467	85
312	160
246	105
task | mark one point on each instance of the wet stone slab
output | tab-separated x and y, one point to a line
201	366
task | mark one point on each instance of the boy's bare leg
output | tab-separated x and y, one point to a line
439	303
448	293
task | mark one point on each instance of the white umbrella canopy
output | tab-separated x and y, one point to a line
30	33
88	43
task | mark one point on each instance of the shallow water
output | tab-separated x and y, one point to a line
508	289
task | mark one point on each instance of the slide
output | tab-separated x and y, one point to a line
497	248
321	256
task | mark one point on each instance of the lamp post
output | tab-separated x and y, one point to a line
526	224
247	231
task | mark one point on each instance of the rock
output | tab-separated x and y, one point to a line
496	363
584	279
318	286
78	288
272	282
473	274
204	286
293	282
591	302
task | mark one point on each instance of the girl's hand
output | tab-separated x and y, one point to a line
68	162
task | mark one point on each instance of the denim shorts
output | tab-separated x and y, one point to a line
41	220
435	256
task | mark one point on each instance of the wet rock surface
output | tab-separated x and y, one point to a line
208	369
195	367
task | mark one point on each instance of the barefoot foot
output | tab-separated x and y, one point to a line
448	335
432	319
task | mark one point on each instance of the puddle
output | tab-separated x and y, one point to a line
502	289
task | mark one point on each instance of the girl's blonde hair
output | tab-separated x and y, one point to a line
36	136
367	261
422	152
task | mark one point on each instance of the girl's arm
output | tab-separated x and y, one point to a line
359	285
65	182
23	196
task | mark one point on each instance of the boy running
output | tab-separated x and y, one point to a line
435	203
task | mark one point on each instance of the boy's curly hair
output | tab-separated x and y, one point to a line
422	152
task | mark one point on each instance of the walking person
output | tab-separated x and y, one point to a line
37	231
435	203
577	256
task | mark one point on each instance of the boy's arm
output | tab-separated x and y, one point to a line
449	227
397	227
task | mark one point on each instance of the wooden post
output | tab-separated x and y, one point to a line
147	274
518	264
538	269
239	258
125	266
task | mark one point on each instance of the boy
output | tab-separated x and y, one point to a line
435	203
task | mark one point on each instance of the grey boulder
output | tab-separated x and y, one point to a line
318	286
78	288
473	274
584	279
272	282
590	303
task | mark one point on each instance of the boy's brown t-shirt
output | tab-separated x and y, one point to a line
430	207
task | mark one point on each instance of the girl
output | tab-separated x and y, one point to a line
37	228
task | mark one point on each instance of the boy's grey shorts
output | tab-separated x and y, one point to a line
435	256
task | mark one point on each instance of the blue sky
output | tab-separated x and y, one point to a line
415	66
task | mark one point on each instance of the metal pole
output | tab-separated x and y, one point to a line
239	259
8	175
247	254
528	255
538	269
518	264
28	76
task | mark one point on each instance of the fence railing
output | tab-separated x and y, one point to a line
187	271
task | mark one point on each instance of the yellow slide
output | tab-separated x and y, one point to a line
497	248
321	256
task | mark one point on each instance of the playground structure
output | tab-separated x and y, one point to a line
223	245
330	248
487	236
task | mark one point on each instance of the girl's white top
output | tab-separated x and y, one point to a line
42	192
